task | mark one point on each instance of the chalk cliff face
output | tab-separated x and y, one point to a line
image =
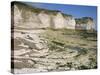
28	17
85	23
31	17
70	23
59	21
44	19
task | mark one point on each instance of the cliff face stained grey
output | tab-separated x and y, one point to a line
46	40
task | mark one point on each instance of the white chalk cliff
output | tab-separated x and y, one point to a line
26	17
31	17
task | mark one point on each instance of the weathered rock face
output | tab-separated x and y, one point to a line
70	22
27	18
59	21
85	23
45	19
17	15
90	25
